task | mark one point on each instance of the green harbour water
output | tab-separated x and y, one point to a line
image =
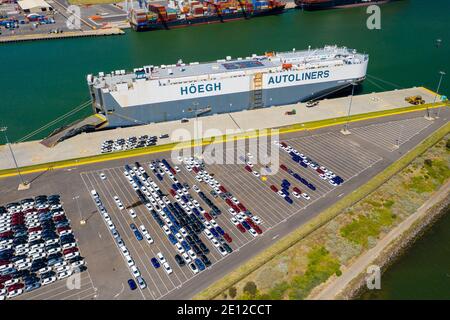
423	271
42	80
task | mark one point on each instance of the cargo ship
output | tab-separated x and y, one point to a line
184	90
183	13
328	4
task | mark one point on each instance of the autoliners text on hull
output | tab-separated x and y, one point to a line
183	90
203	88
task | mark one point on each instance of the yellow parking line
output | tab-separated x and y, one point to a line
212	140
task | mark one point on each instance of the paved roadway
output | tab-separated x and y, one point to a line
373	145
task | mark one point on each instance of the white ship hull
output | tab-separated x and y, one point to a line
157	99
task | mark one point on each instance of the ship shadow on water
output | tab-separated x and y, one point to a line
345	92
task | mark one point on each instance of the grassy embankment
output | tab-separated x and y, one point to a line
301	261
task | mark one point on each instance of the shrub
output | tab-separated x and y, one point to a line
232	292
250	288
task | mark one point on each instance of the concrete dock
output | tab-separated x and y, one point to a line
69	34
88	144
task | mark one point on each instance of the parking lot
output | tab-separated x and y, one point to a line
355	158
37	247
332	150
392	134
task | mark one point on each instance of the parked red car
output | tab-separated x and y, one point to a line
35	229
229	202
6	234
227	238
195	169
208	216
250	221
273	188
70	250
172	192
61	229
248	169
242	207
235	207
282	166
222	188
241	228
283	144
59	218
257	229
297	190
16	222
5	278
174	172
15	286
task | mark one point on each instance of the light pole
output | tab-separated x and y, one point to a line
397	145
345	130
196	129
24	184
195	104
442	73
82	221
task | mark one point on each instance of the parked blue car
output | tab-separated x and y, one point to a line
185	245
220	231
138	235
245	224
214	233
172	239
155	263
132	284
311	186
32	286
200	265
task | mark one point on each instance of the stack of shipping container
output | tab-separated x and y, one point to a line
190	11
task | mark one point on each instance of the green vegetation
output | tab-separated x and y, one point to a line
321	265
421	177
250	288
232	292
389	204
430	175
368	225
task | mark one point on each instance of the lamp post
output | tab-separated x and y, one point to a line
198	132
345	130
82	221
23	184
195	105
399	138
442	73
